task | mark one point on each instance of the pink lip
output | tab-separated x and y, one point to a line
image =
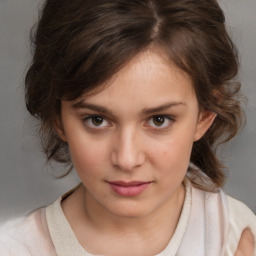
129	189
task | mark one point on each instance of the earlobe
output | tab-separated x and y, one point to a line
205	120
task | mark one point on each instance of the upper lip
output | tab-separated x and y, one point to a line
128	184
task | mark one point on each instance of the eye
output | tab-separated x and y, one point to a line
96	122
160	121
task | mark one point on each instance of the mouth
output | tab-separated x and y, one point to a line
129	189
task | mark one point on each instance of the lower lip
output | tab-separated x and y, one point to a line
129	191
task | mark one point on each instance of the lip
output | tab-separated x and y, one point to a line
128	189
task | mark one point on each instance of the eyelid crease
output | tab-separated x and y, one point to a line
87	117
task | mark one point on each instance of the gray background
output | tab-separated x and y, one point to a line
27	183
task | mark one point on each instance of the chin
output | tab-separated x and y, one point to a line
133	210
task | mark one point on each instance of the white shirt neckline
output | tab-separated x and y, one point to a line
66	243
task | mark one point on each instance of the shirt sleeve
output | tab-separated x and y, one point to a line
26	236
11	243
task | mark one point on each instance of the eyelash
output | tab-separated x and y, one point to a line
88	119
167	118
88	122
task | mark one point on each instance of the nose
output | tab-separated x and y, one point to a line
127	152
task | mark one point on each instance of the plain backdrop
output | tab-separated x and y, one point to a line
27	183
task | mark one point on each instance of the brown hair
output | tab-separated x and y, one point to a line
80	44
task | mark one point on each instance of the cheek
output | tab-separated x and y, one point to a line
88	156
173	156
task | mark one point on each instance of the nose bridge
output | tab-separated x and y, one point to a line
127	152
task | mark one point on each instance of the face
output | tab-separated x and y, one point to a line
131	143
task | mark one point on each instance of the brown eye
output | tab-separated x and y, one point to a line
158	120
97	120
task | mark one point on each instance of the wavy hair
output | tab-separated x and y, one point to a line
79	44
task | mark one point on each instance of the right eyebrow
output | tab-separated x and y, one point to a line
82	104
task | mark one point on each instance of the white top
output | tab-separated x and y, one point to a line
210	224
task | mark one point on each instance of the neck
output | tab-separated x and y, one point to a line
152	231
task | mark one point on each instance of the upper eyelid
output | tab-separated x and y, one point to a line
93	113
113	117
168	116
171	117
85	117
95	127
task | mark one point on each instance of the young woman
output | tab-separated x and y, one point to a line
136	96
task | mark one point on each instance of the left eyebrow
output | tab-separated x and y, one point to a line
162	107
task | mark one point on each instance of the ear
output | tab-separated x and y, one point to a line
60	130
205	120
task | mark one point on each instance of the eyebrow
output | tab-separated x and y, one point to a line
162	107
106	111
97	108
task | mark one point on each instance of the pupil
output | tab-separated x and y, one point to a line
97	120
158	120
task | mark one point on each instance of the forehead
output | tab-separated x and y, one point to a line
149	78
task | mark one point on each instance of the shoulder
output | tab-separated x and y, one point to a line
26	236
227	215
240	217
236	208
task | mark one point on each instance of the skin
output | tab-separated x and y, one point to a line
141	127
246	244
